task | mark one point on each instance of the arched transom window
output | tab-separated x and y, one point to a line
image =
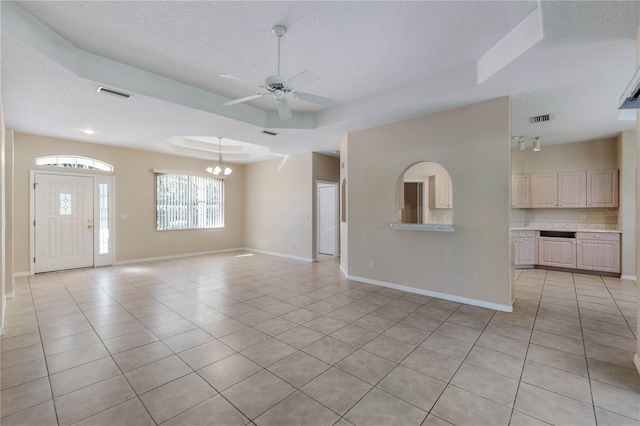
74	162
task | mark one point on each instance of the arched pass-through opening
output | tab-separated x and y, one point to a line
425	195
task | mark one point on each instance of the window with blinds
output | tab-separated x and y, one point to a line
188	202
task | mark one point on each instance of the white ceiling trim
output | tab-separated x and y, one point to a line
117	75
425	60
521	38
207	147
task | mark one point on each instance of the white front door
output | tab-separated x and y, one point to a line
63	222
327	217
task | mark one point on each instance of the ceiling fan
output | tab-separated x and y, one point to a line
279	86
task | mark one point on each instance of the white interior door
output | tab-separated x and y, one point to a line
63	222
327	218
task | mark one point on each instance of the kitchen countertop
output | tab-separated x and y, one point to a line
570	227
424	227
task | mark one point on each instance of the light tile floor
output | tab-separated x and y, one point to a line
238	338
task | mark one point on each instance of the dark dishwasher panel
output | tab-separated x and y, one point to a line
558	234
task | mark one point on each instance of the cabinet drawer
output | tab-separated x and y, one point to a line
598	236
523	234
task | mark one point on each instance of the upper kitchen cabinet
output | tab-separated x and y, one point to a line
602	188
520	191
440	192
572	189
565	190
544	191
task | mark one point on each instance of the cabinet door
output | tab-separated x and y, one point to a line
520	191
599	256
560	252
598	251
602	188
439	192
544	191
572	189
525	251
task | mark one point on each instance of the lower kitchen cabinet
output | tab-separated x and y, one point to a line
524	248
588	251
598	251
558	252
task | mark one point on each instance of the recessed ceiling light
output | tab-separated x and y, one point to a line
88	131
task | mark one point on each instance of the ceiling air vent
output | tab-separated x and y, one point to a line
540	118
266	132
113	92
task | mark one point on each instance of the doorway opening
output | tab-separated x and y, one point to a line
72	217
328	231
413	205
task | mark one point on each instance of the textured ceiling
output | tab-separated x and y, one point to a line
384	61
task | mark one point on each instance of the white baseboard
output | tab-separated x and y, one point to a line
450	297
10	295
636	361
284	255
343	272
629	277
175	256
202	253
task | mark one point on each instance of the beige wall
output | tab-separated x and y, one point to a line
136	237
518	216
278	203
473	144
9	280
570	157
628	209
3	248
580	156
327	169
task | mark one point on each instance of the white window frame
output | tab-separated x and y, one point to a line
74	162
183	221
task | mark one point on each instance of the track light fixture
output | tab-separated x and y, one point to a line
536	144
521	141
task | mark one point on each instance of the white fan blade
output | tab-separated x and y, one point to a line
305	77
316	99
233	77
245	99
283	109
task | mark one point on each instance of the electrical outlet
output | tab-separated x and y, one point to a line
583	216
372	264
